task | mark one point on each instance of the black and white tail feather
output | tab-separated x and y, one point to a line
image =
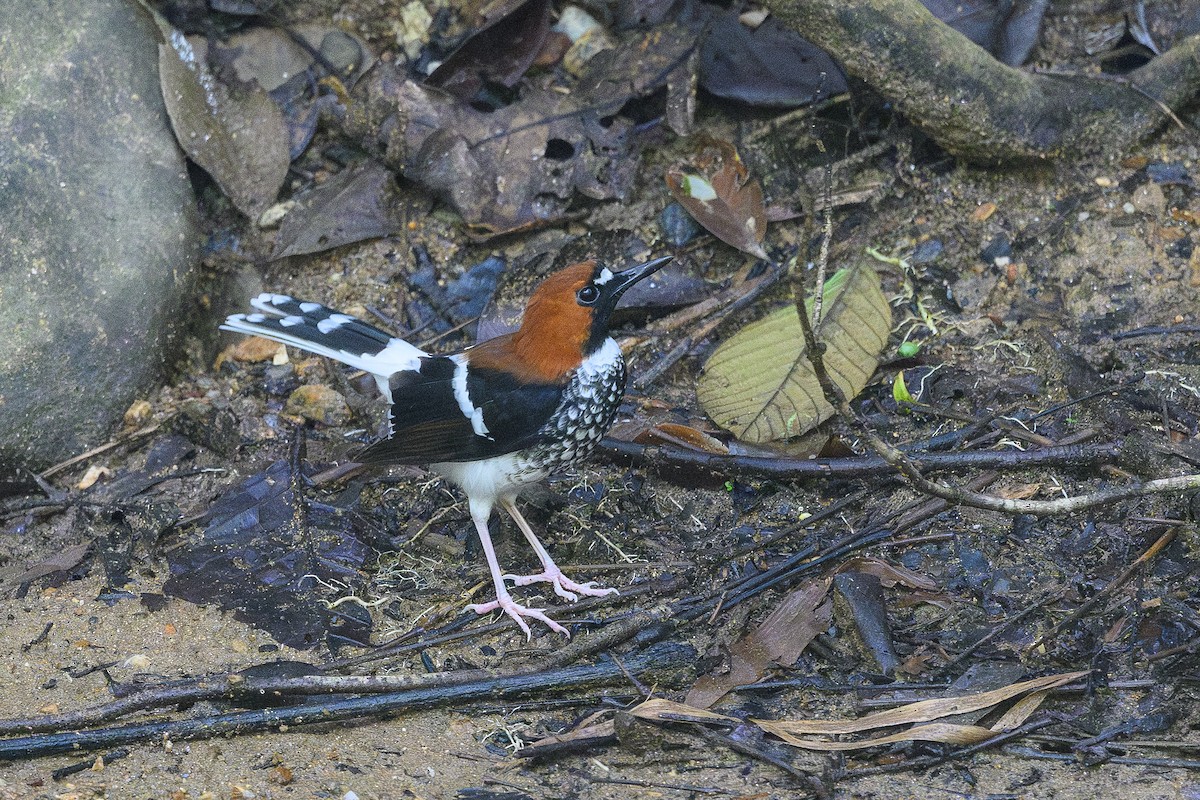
438	409
325	332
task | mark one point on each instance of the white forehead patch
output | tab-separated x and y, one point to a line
604	277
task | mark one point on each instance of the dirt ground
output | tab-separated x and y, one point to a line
421	755
1095	251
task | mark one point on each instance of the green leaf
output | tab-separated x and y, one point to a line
759	384
900	391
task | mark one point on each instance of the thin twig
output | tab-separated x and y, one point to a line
1008	623
104	448
806	779
659	657
1161	763
912	472
913	764
745	294
1110	589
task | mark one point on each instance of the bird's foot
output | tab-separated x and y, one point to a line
564	587
517	611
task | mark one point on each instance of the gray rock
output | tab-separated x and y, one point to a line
98	226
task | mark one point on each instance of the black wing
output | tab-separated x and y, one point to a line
429	425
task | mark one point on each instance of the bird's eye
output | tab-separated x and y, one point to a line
588	295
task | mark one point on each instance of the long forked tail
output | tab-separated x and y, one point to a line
325	332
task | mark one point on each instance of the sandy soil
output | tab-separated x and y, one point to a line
1105	264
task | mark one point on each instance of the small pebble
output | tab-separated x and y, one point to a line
927	251
1169	173
275	214
94	473
678	225
413	28
138	414
752	19
997	248
983	212
588	36
318	403
138	661
280	380
1149	199
468	295
253	349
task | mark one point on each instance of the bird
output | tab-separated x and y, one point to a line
494	418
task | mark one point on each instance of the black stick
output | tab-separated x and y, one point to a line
666	656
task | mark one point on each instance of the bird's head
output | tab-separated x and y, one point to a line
567	317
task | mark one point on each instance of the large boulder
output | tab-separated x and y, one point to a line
98	226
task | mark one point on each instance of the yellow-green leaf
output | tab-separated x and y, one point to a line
759	384
699	188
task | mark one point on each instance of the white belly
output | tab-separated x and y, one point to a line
502	476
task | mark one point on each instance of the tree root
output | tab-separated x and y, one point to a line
978	108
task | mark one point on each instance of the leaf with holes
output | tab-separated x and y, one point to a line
723	198
523	165
759	383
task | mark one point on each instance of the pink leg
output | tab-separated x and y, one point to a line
563	586
504	602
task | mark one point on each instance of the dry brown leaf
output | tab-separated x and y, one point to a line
942	732
922	711
583	735
1021	710
253	349
354	205
681	436
938	732
239	138
659	710
722	197
889	574
1022	492
499	52
780	639
917	663
522	165
60	561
